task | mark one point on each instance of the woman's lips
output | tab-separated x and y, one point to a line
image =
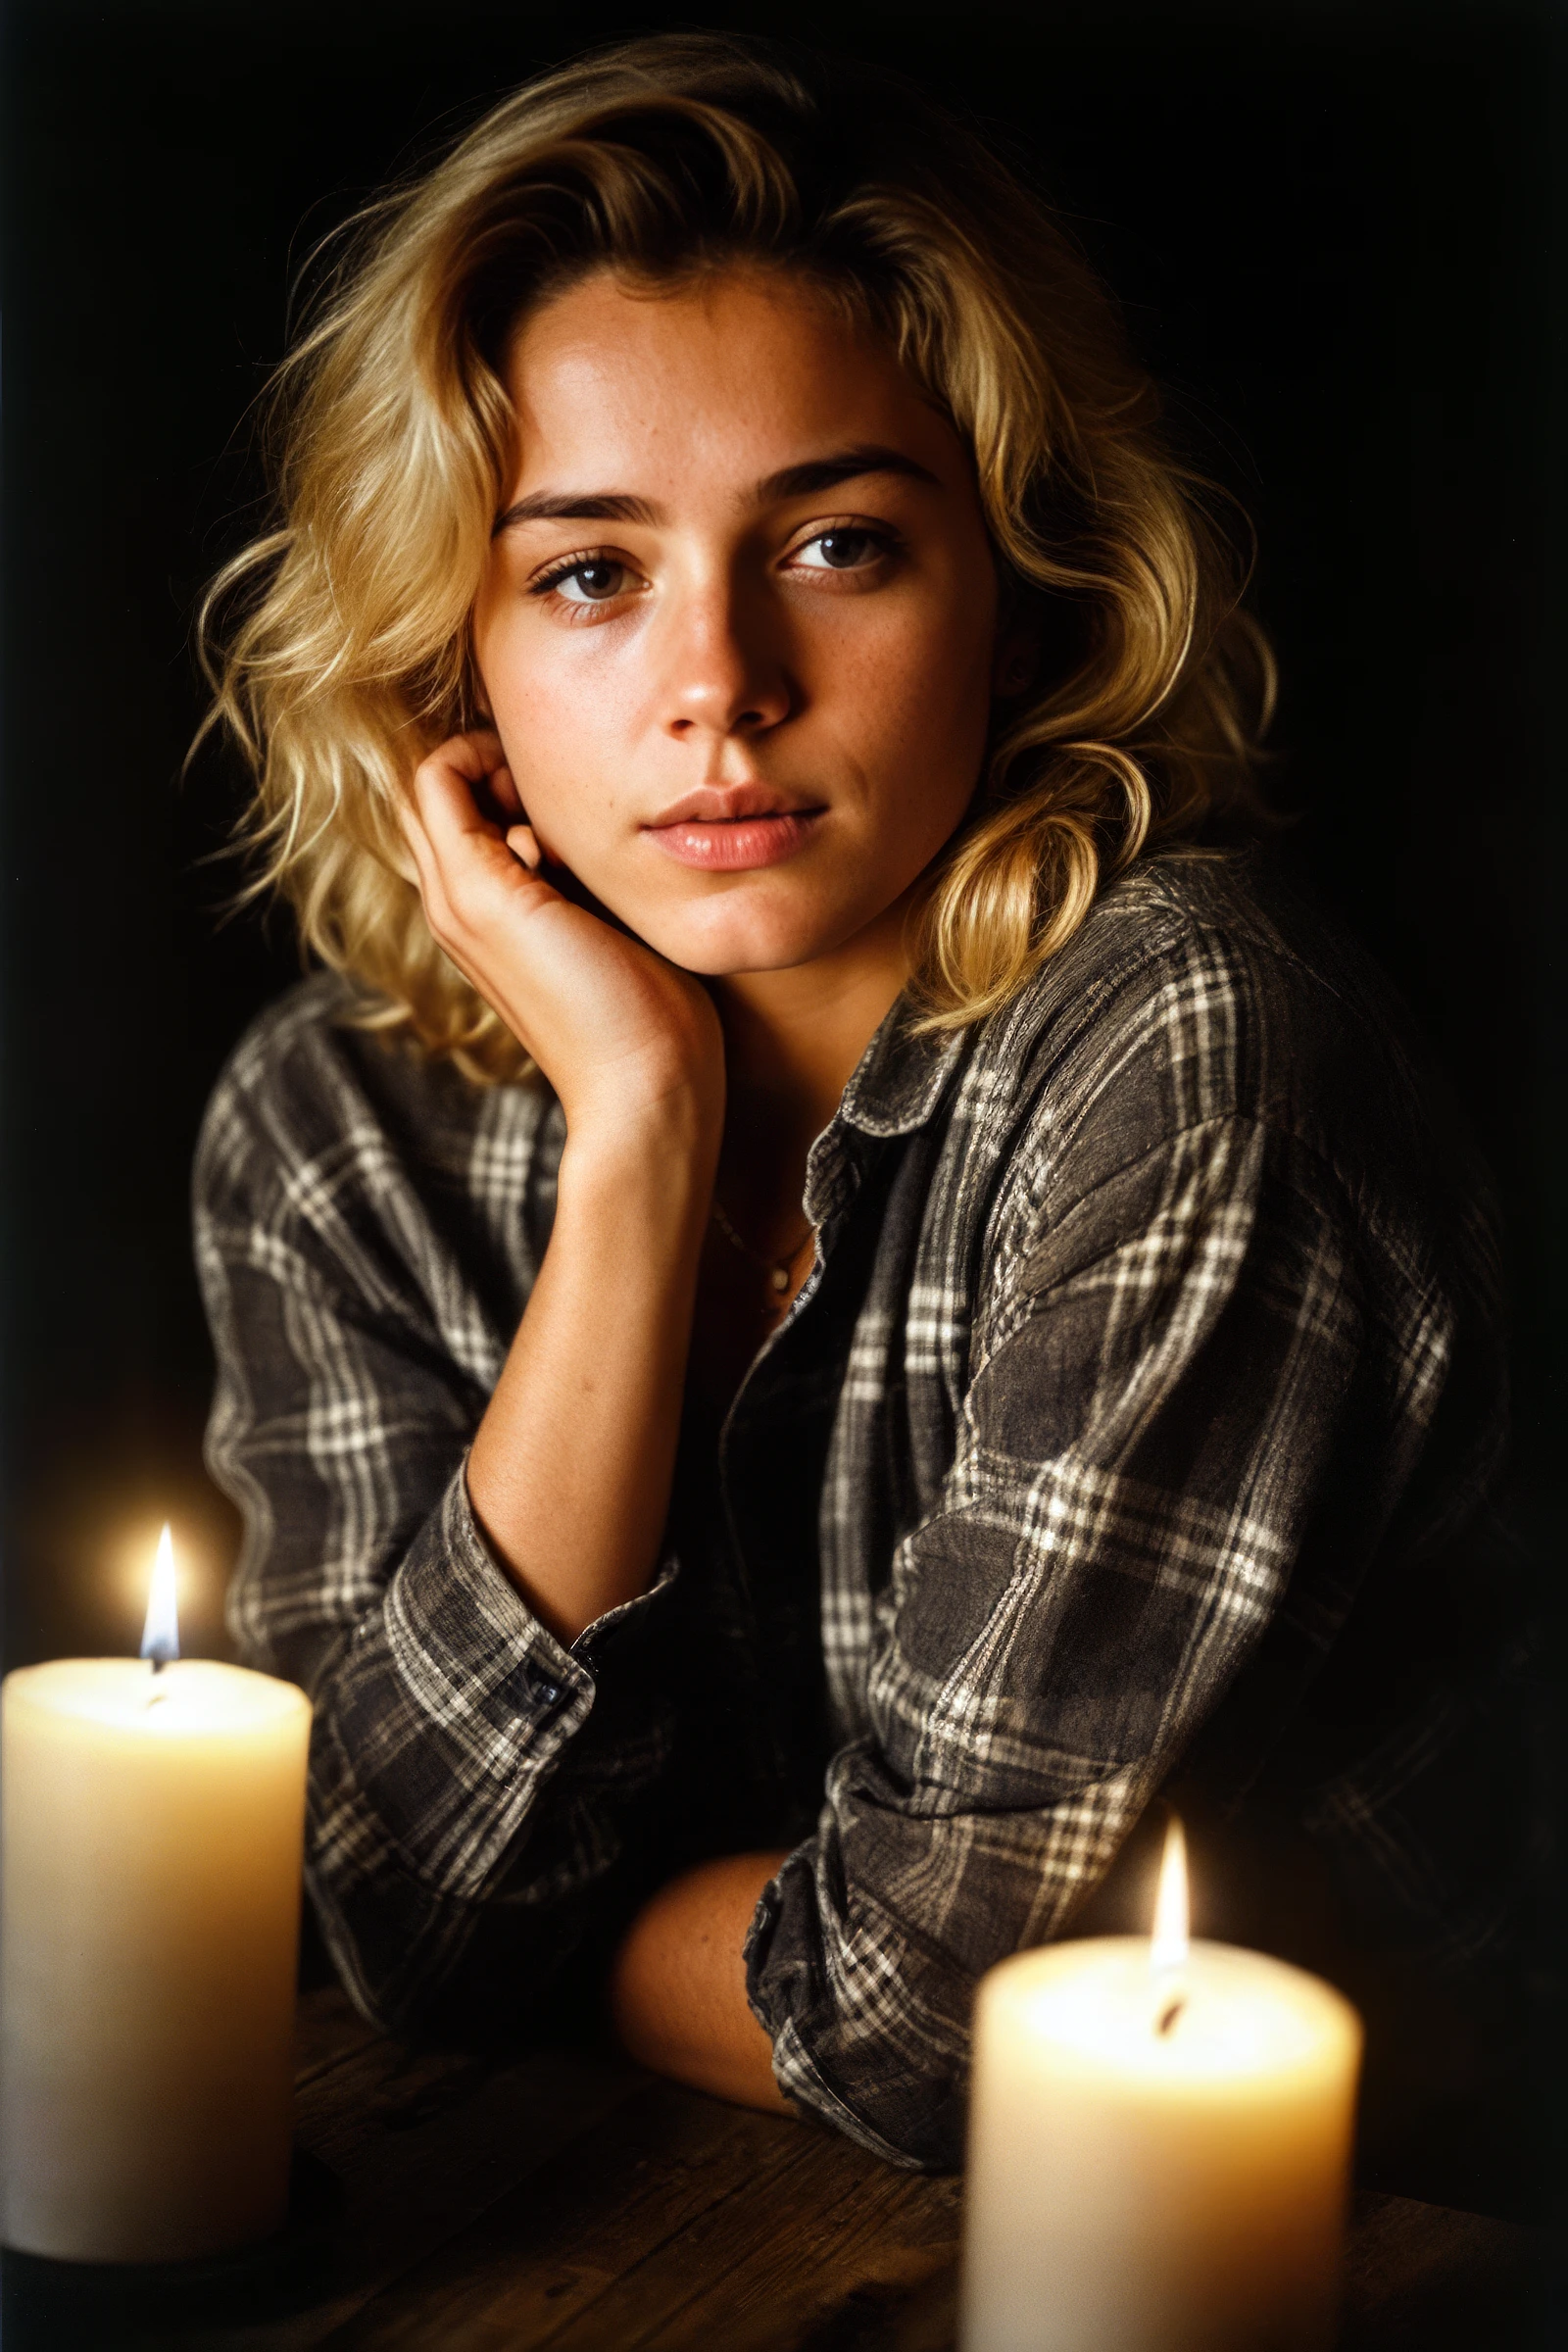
737	844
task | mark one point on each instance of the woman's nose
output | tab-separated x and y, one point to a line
725	677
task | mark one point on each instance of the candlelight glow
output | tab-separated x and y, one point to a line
1168	1951
160	1637
1156	2160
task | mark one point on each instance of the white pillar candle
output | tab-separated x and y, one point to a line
1159	2151
151	1839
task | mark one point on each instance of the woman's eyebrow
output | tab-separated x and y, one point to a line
844	465
791	481
576	506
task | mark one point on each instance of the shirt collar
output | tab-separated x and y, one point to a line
901	1076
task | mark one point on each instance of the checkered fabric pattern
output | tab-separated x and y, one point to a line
1139	1416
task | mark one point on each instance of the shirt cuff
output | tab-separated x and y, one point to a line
768	1997
487	1677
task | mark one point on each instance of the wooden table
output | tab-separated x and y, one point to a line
575	2202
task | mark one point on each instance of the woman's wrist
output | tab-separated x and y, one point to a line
571	1466
663	1156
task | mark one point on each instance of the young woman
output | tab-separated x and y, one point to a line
823	1295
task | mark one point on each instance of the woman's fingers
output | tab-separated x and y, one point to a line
524	843
417	865
444	784
606	1020
445	797
473	754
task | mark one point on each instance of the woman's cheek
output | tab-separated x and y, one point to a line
551	823
922	673
549	741
930	738
577	827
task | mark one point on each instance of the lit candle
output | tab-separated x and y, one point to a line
1159	2147
150	1836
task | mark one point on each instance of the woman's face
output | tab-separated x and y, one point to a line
737	632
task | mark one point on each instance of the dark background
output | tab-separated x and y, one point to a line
1335	231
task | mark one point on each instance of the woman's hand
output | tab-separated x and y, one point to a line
571	1466
622	1035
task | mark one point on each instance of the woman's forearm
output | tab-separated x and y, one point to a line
569	1473
569	1470
677	1990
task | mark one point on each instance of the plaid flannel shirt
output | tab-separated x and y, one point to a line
1138	1414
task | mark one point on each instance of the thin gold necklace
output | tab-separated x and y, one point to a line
778	1269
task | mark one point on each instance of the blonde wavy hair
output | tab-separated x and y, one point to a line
338	645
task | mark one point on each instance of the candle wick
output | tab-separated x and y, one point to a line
159	1661
1169	2014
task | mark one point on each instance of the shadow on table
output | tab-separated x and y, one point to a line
1417	2282
48	2306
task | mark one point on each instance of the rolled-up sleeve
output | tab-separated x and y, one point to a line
1140	1454
468	1771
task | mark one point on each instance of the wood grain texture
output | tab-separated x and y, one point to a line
1422	2278
567	2200
674	2221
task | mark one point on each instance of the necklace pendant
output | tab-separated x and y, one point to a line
780	1279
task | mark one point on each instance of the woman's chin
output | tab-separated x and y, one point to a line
721	942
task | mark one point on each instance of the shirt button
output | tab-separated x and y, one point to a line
539	1683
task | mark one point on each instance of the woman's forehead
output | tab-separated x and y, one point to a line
726	383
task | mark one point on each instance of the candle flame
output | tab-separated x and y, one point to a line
1168	1951
160	1637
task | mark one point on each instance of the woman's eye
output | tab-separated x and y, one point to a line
594	581
840	550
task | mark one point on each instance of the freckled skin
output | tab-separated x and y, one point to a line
731	652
